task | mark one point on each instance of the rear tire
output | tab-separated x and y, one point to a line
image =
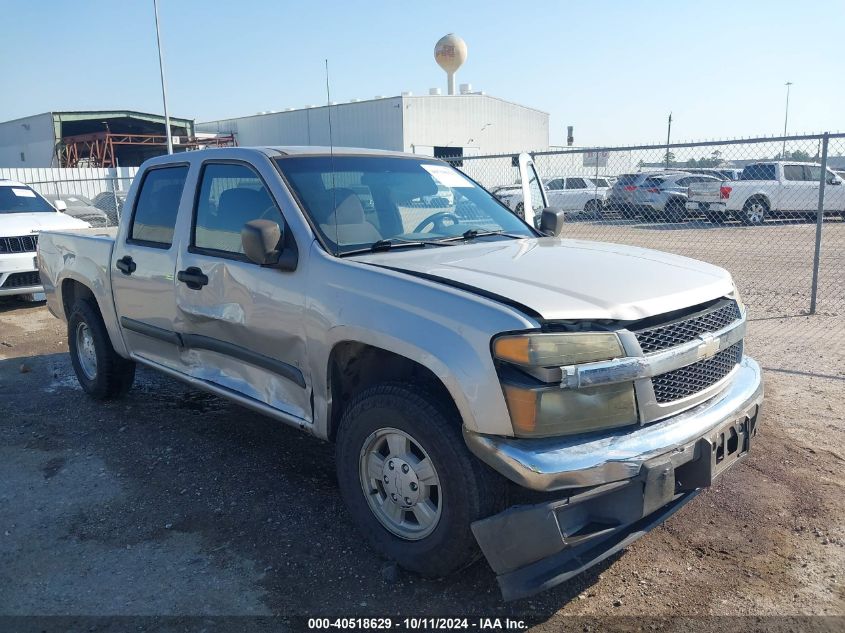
675	211
442	488
754	212
592	210
101	371
628	212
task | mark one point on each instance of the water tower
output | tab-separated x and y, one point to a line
450	53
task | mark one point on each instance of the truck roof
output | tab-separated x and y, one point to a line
277	152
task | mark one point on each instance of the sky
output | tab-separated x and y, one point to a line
612	69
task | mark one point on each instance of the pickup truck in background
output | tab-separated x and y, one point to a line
490	388
23	214
768	190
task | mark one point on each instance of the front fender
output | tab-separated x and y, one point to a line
444	329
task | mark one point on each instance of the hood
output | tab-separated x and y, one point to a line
14	224
570	279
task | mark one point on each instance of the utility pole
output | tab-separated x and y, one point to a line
668	136
163	85
785	120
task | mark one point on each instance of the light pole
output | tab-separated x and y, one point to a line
785	120
668	136
163	85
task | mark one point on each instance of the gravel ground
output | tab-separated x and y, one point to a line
772	264
174	502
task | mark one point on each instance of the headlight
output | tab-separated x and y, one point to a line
543	410
549	350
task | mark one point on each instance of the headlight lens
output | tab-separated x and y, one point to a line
549	350
549	410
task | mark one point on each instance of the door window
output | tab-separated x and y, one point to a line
555	184
157	205
813	173
575	183
793	172
230	196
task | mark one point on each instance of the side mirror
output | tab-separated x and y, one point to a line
551	221
263	243
61	206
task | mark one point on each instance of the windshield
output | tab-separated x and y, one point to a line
357	201
22	199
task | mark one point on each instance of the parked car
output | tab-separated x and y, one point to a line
479	392
620	198
722	173
81	208
23	215
665	196
575	195
768	189
111	202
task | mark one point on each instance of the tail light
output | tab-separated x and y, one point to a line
725	192
630	188
653	190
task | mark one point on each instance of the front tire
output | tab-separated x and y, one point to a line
101	371
411	485
520	210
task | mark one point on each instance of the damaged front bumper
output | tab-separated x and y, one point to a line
613	487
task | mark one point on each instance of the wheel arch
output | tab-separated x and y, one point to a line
71	289
354	366
762	197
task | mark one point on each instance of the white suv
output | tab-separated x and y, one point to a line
23	214
574	195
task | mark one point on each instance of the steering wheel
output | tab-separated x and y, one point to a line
437	221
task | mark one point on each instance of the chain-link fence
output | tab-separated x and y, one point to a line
91	194
769	210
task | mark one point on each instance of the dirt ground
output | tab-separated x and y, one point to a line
175	502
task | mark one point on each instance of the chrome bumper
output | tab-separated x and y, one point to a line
589	460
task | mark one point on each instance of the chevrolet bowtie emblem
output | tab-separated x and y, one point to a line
709	347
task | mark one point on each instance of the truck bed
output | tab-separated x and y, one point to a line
82	255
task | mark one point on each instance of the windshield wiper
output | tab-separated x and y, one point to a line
474	233
391	243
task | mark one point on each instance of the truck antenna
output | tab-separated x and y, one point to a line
331	158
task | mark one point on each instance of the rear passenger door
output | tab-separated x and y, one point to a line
799	192
143	267
242	324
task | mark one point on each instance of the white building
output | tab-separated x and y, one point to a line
434	125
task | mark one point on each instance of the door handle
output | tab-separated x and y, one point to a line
126	265
193	277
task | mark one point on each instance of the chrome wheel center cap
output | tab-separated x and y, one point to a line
400	482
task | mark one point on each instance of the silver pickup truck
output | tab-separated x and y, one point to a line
490	388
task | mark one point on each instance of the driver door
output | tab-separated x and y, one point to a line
533	192
242	324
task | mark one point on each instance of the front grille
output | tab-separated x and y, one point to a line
689	380
682	331
22	244
22	280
